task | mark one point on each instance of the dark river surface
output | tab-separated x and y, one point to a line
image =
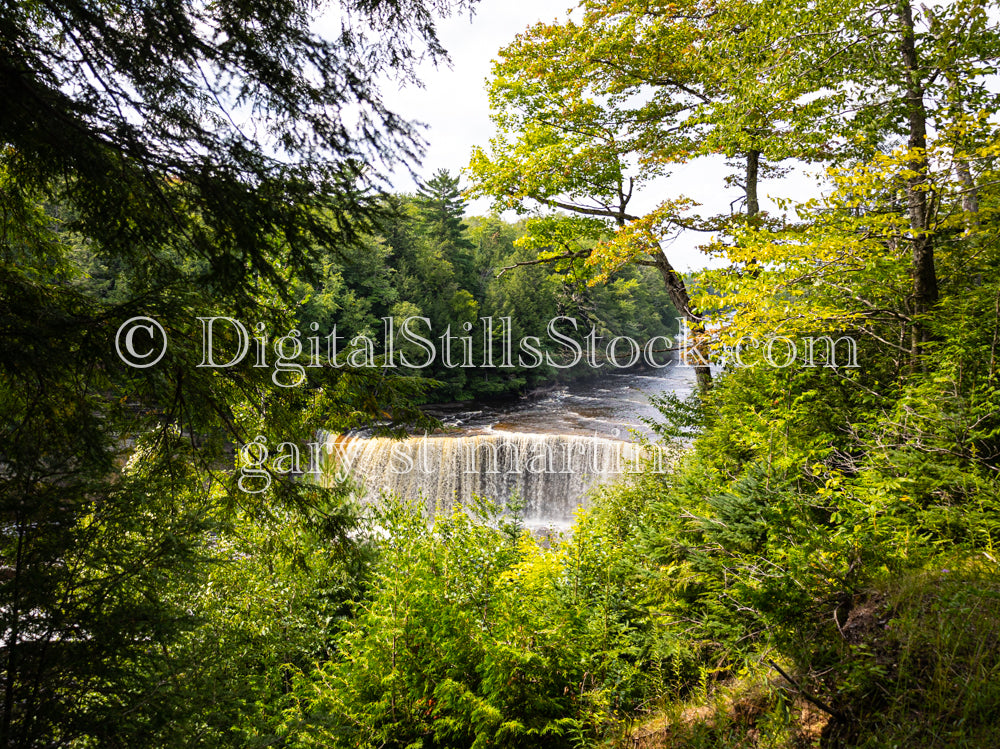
610	406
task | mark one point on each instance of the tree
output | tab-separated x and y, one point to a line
588	110
882	74
441	208
591	112
196	158
226	127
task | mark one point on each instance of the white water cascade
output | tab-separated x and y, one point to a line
551	473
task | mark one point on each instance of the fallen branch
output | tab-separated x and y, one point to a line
813	699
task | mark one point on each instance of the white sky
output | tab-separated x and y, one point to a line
454	105
453	102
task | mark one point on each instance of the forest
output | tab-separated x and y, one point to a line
818	566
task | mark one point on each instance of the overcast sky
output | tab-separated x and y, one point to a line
453	104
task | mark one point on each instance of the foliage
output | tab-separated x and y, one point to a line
476	281
128	187
827	542
475	635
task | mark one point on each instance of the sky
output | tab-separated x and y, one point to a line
453	102
454	106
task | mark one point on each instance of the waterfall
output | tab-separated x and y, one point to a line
551	473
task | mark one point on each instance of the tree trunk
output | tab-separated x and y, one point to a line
678	293
753	165
963	172
679	297
960	162
925	286
970	193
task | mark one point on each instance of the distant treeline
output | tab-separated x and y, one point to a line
426	261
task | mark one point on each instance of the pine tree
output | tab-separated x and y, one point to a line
441	208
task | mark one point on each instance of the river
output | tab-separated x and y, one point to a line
611	406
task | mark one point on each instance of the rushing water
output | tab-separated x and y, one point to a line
549	449
611	406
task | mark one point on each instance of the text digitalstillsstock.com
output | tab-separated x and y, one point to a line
141	342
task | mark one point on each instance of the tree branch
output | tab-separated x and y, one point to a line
540	261
603	212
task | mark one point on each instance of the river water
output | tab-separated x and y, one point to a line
611	406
